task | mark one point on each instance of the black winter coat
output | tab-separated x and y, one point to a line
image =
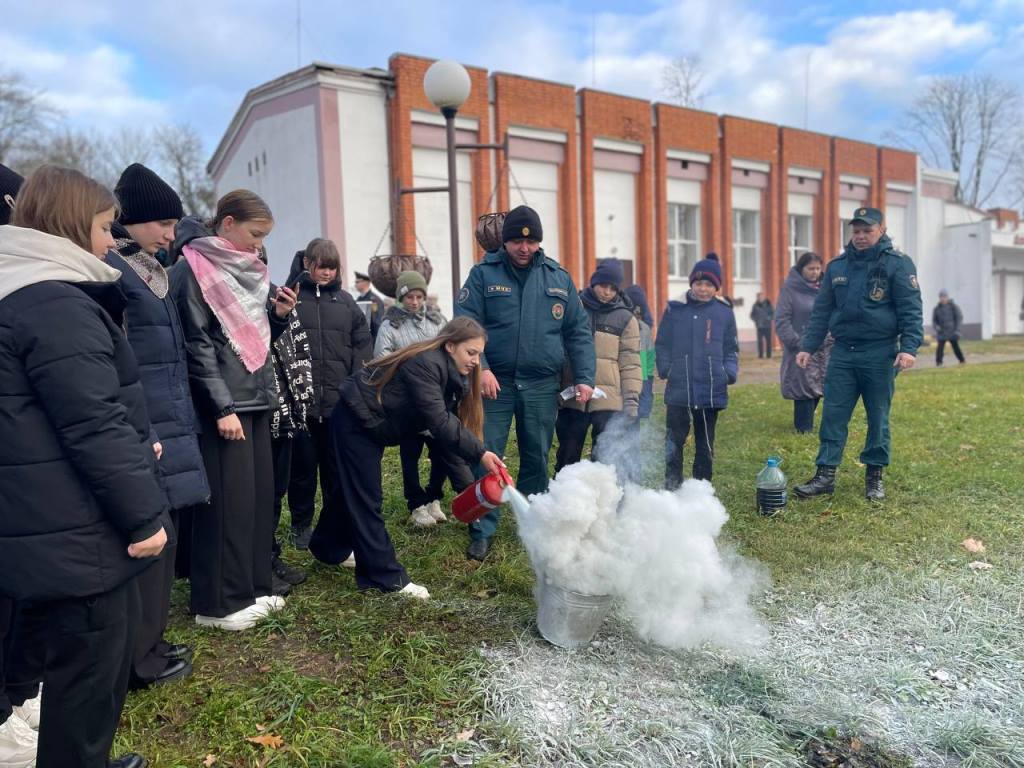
156	337
220	382
76	463
339	340
424	394
946	321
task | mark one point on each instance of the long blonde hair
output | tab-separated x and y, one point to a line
457	331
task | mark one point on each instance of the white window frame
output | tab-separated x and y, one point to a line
677	246
798	248
738	245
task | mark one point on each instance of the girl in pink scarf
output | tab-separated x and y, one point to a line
223	296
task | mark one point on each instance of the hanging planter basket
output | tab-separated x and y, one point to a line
385	269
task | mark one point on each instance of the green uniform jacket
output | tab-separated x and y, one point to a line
533	325
868	298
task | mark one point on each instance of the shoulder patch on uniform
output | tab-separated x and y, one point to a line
463	295
557	310
913	282
839	280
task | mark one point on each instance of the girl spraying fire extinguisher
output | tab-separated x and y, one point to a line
432	385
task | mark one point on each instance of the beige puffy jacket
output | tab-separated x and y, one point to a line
617	349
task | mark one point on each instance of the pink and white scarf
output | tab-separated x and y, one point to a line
235	284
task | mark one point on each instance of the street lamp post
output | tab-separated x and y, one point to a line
447	86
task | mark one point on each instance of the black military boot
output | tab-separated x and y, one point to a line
873	488
824	481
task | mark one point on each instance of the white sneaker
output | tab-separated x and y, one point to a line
435	511
421	517
272	602
17	744
237	621
350	562
29	712
414	590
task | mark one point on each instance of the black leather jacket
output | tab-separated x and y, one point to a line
424	394
220	382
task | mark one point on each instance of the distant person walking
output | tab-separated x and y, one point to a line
804	386
762	313
946	320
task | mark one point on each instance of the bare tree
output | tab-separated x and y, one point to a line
127	145
180	152
24	117
971	124
73	149
681	82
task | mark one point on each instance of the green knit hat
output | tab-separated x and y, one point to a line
410	281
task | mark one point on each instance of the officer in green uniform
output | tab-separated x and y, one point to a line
534	320
871	304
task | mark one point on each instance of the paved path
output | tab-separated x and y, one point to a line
755	371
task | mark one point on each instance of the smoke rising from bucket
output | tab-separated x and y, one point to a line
654	550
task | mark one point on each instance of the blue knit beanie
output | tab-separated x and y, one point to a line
707	268
608	271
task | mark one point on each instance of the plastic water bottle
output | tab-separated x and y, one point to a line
771	488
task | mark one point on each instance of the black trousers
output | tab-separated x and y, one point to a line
85	660
155	594
571	426
231	536
312	455
803	414
6	615
764	342
443	466
281	451
354	522
677	428
941	348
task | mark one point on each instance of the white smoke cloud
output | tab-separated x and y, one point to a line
654	550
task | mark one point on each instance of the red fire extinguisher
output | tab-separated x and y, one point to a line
481	497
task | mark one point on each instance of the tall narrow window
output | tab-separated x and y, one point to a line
746	244
800	237
683	238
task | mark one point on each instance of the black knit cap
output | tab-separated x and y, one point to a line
10	183
522	222
144	196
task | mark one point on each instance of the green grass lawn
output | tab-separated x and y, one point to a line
352	679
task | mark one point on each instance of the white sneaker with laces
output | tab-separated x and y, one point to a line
350	562
237	621
421	517
271	602
18	744
415	590
29	711
435	511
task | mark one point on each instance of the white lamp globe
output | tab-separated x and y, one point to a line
446	84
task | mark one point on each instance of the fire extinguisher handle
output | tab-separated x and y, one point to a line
506	478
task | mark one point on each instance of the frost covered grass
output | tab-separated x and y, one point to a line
883	646
928	670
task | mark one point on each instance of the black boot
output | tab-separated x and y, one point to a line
873	488
824	481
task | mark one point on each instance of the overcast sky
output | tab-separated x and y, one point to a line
108	63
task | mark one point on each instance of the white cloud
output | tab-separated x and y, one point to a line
91	87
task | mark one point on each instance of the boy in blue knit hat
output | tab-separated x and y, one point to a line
698	352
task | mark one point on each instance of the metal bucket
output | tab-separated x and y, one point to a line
569	619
